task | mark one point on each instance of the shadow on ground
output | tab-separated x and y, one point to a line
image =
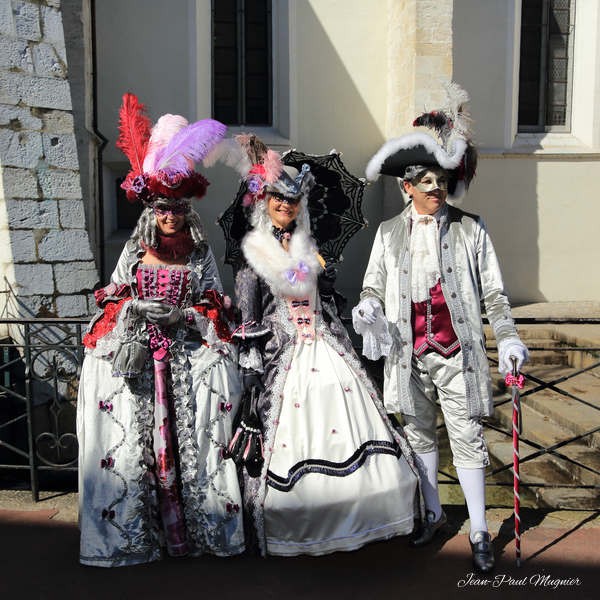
39	561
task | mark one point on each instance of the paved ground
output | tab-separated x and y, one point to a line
561	556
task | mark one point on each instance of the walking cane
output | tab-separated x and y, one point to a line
515	381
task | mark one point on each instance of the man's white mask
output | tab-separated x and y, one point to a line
431	181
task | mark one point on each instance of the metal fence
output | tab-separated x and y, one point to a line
572	460
40	364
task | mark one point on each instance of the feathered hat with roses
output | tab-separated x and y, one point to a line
163	157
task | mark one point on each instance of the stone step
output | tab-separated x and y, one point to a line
576	417
555	336
536	426
569	499
542	469
545	355
541	429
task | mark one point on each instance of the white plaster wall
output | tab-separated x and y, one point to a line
144	47
481	31
535	192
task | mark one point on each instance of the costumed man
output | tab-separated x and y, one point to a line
430	269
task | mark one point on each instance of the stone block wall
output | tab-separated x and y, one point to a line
45	250
419	63
419	59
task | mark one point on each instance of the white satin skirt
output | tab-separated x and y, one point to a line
117	504
336	479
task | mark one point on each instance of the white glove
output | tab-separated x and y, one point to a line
508	349
366	310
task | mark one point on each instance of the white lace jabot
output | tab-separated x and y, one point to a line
424	254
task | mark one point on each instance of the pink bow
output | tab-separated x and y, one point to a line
242	328
511	380
297	274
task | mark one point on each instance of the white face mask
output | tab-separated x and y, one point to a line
431	181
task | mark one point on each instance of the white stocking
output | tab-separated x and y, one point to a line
472	482
427	464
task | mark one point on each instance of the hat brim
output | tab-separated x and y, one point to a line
413	149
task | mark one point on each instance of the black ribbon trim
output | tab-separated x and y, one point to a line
334	469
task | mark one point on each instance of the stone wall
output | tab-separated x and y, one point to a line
45	253
419	64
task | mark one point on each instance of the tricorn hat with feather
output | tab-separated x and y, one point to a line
163	157
407	155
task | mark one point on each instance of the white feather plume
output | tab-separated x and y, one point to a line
230	153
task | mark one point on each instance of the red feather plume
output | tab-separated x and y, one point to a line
134	131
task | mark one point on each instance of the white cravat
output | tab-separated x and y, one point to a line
424	254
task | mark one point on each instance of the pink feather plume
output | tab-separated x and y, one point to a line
273	166
162	133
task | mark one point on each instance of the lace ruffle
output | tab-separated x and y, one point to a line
377	341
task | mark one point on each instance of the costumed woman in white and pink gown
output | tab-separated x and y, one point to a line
159	384
336	473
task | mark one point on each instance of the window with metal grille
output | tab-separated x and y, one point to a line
242	74
547	31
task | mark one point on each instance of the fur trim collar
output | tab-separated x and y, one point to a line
292	274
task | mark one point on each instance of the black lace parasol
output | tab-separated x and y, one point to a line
334	205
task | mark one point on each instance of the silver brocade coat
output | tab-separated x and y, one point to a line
470	275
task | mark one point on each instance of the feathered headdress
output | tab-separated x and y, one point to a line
163	157
260	167
454	152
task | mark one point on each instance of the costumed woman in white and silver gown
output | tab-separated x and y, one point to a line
336	474
159	384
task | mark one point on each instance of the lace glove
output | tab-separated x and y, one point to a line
326	281
511	348
370	322
366	310
157	312
251	379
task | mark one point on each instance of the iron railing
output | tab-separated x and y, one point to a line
537	450
39	374
40	364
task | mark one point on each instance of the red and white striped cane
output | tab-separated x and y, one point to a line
515	381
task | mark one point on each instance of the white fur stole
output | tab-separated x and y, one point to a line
292	274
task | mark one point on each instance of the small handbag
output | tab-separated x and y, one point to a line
246	446
130	358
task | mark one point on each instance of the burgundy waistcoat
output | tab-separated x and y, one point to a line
432	325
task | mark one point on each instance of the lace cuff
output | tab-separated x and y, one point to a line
251	358
377	341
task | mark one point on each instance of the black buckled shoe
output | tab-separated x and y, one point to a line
483	552
428	529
